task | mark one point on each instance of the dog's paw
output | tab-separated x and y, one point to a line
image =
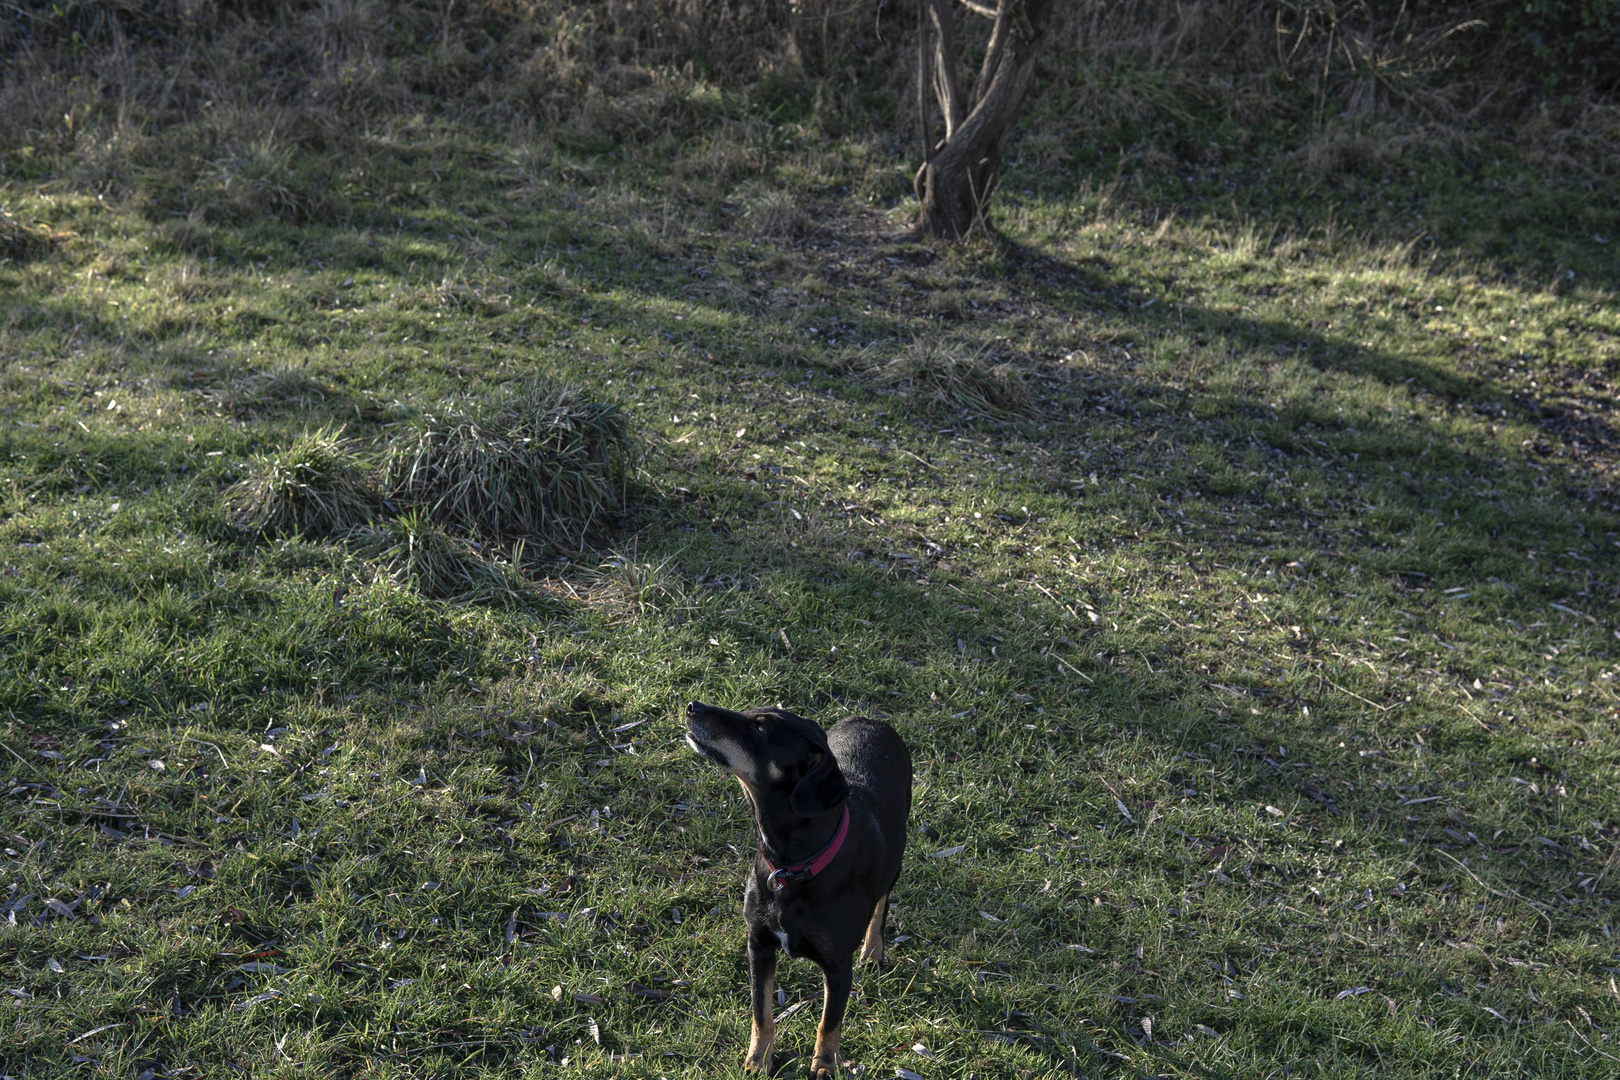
824	1069
757	1064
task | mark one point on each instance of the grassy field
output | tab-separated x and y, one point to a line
1254	628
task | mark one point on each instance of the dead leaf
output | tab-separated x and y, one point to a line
1355	991
648	992
589	999
256	999
595	1030
64	910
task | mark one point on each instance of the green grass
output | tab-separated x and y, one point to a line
1271	656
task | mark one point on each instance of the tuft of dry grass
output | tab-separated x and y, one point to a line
319	486
416	552
269	391
771	212
937	375
545	464
19	241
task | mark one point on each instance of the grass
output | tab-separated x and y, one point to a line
318	485
416	552
540	463
934	375
1260	679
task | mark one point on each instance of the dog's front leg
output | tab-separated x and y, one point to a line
761	989
836	980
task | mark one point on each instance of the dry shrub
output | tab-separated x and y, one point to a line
939	375
319	486
416	552
546	464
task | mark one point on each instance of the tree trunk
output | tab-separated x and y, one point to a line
960	174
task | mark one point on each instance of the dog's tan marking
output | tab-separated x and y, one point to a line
824	1066
872	947
763	1036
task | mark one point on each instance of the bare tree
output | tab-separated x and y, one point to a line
960	171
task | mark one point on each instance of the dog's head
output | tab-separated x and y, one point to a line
770	751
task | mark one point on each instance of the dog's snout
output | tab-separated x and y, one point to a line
694	708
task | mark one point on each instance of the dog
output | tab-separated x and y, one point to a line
830	809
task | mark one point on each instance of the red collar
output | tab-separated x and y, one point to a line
778	878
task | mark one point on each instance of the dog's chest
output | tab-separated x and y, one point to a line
786	922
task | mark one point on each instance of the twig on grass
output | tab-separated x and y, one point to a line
205	742
1072	668
925	461
1509	895
1352	693
1588	1042
25	761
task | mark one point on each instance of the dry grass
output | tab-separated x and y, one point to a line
230	113
19	241
545	464
770	211
318	486
938	375
260	392
416	552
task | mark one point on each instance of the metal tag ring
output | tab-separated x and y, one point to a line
777	881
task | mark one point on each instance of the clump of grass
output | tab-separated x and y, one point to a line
269	391
319	486
415	551
641	585
1341	153
939	375
20	242
546	464
771	212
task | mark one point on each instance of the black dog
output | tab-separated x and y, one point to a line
831	811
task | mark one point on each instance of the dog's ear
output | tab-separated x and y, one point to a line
822	788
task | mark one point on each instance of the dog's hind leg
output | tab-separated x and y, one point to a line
761	989
872	947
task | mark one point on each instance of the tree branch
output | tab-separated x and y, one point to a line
945	89
992	52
